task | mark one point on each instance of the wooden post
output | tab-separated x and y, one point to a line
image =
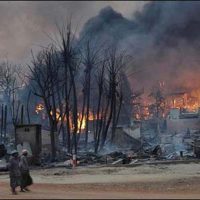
74	160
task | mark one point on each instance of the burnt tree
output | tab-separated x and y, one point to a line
70	56
44	78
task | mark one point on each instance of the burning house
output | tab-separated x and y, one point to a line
180	115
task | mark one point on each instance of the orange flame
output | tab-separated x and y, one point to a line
187	102
39	108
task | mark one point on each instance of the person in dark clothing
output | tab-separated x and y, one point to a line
26	179
14	171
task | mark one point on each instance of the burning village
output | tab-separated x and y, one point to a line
103	107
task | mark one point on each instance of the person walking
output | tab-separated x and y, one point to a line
14	171
26	179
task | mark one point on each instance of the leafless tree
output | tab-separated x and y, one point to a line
90	61
44	77
10	85
100	78
70	57
116	62
109	95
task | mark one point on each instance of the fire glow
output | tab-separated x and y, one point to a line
187	102
39	109
190	102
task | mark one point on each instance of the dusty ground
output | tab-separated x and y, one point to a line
147	181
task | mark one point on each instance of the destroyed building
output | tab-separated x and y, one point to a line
178	131
28	136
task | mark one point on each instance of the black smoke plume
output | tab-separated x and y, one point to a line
163	39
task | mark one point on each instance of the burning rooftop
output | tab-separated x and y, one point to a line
163	100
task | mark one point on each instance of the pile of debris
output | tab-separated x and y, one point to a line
89	158
112	158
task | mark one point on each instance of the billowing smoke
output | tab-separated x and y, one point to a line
25	24
163	39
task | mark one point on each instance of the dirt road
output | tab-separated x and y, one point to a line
154	182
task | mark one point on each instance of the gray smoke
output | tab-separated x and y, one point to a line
163	39
24	23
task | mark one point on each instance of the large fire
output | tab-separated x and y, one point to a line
186	101
146	107
189	102
39	109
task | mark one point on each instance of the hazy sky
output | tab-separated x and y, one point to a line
24	24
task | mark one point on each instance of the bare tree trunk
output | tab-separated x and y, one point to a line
2	121
52	129
61	115
119	109
75	118
16	121
68	128
27	107
5	122
82	115
113	118
22	114
87	109
106	124
99	119
97	132
116	118
52	134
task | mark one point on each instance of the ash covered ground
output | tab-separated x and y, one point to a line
146	181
